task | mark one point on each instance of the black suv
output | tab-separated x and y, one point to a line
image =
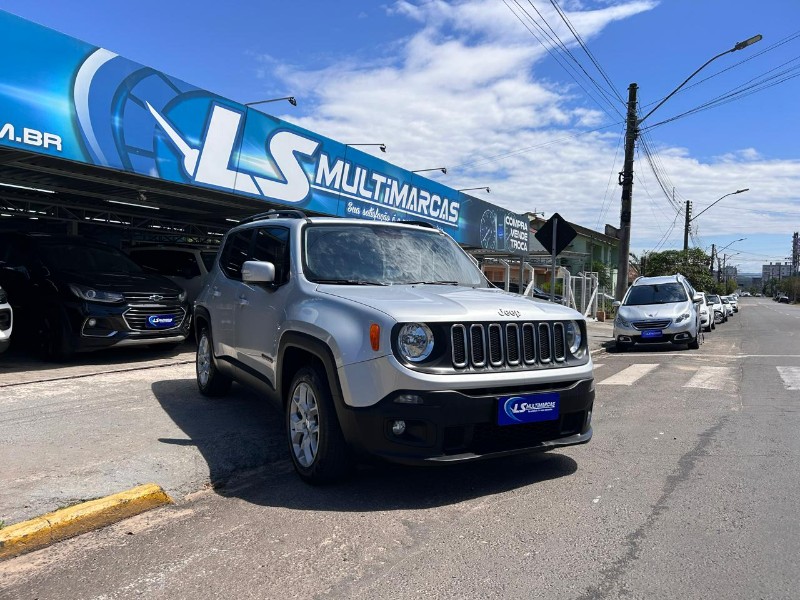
73	295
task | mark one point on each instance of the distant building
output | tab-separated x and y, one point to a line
776	271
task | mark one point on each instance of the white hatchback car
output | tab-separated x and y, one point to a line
706	313
6	321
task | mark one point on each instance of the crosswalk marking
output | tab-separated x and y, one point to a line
710	378
630	375
790	376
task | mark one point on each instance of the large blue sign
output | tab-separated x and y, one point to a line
63	97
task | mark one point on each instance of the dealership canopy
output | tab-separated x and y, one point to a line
88	135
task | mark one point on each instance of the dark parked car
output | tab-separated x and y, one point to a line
71	295
783	298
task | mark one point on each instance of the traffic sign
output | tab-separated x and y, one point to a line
557	230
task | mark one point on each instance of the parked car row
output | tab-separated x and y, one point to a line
668	310
68	294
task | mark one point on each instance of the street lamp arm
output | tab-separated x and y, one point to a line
738	46
715	201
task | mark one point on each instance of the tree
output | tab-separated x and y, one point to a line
692	264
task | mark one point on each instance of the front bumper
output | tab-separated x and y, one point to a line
673	334
452	426
95	326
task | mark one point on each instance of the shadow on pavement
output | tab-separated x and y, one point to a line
242	440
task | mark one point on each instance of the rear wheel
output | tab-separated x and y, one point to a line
210	381
316	443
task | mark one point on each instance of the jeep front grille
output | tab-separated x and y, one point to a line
499	346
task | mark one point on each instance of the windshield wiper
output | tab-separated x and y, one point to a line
440	282
349	282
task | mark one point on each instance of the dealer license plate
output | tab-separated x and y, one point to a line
649	334
528	408
161	321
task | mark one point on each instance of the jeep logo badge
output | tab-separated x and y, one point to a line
509	313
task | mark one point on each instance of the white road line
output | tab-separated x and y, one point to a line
629	376
710	378
790	376
596	366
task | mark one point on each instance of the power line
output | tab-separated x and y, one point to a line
554	55
580	41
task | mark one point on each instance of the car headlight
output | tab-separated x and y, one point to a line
415	341
182	296
682	318
574	338
92	295
622	322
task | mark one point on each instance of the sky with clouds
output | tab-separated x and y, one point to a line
468	86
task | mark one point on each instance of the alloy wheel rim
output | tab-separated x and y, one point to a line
203	360
304	424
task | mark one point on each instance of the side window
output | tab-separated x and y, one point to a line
235	253
272	245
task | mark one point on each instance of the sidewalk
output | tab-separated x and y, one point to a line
600	333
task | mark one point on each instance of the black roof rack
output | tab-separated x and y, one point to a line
275	214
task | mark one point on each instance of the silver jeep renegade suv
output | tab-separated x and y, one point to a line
385	340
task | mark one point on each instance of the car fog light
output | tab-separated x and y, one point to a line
408	399
92	322
398	427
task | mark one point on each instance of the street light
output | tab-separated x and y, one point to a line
381	146
714	251
626	177
442	169
477	188
291	99
689	218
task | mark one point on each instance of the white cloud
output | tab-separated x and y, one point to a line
462	92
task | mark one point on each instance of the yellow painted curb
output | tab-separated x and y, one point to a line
68	522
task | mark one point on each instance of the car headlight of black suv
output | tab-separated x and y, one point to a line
92	295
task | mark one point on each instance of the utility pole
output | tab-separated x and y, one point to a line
796	253
626	181
626	176
713	251
686	224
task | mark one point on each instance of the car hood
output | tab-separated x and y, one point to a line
122	282
440	303
646	312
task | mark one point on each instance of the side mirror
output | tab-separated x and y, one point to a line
697	298
616	304
256	271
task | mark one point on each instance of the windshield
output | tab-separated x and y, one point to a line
87	258
661	293
713	299
385	255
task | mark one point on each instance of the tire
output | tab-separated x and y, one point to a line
52	339
317	446
210	381
695	343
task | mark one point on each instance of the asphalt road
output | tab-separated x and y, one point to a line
688	490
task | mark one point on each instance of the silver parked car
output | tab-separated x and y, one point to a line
658	310
385	339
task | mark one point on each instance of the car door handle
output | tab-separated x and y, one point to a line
243	301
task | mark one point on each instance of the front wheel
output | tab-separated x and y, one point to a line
316	443
695	343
